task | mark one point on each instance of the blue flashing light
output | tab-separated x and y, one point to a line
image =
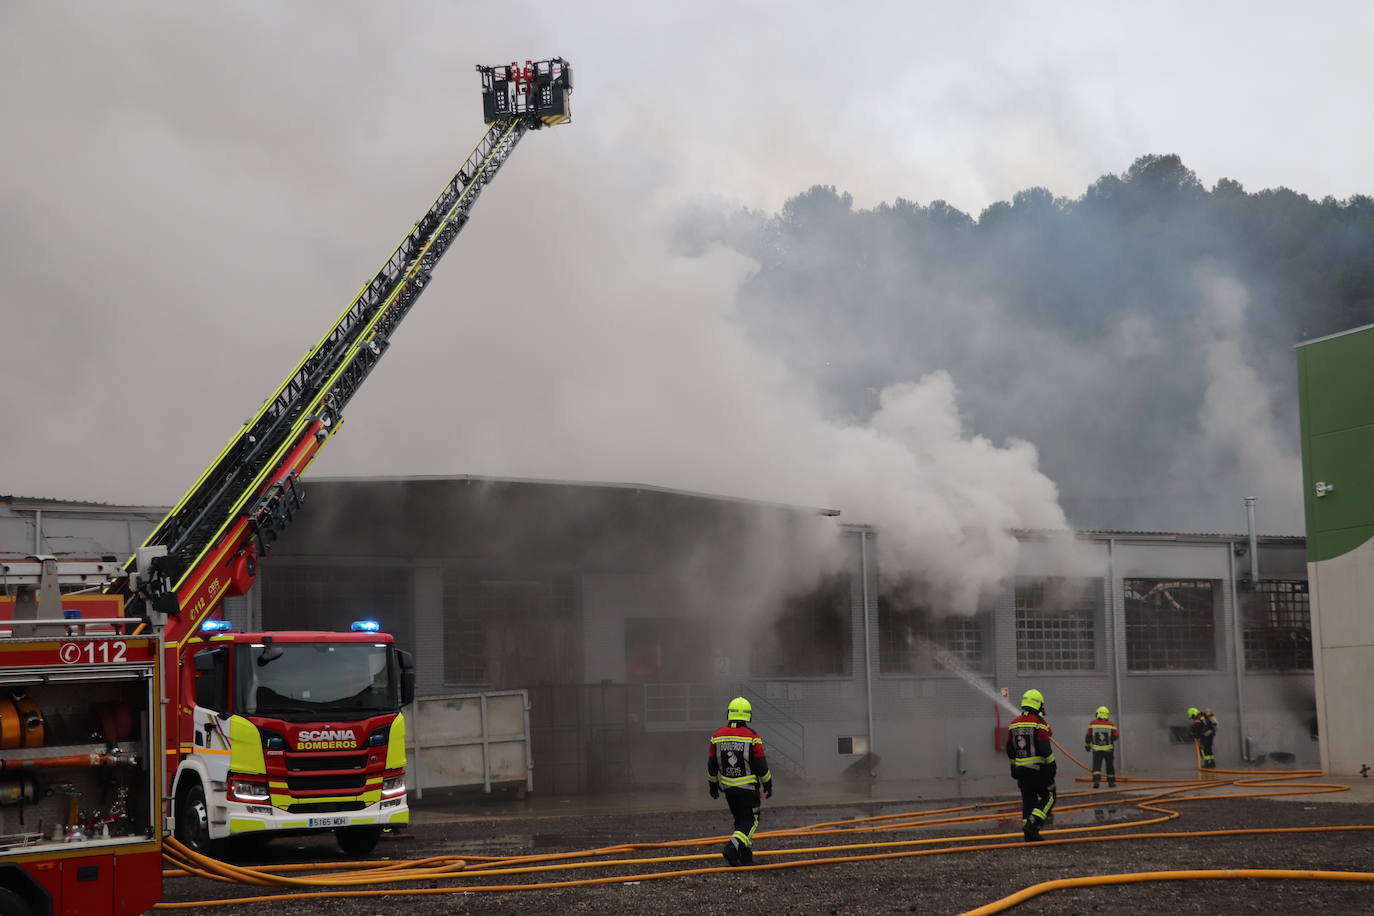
366	626
217	626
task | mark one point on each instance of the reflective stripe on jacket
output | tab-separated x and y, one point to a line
1028	741
736	759
1102	735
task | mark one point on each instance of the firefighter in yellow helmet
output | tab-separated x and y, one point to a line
1204	727
737	764
1032	763
1101	739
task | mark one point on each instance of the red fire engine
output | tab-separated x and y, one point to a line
284	732
80	738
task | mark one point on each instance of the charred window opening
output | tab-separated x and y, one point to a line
913	639
810	637
664	649
1278	626
1056	623
504	631
1170	624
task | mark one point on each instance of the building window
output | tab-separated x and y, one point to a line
913	639
1056	623
811	637
1170	624
332	597
504	632
1278	627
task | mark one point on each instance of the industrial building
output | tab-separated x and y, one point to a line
632	613
1337	415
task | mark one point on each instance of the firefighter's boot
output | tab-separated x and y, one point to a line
731	853
1030	829
1097	784
746	855
1111	782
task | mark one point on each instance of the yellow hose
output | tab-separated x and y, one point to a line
345	879
1035	890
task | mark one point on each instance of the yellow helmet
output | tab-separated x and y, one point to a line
739	710
1103	712
1033	699
1192	712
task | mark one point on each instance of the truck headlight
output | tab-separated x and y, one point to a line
248	788
394	785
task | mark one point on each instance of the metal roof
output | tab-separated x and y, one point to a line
48	504
671	491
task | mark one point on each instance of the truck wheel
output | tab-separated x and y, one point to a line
11	904
193	821
358	841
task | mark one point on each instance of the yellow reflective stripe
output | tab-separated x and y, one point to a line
243	824
396	744
400	817
245	747
716	739
736	782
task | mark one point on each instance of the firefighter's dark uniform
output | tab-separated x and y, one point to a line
1101	739
1033	767
737	764
1204	731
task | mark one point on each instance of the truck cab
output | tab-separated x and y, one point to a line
291	732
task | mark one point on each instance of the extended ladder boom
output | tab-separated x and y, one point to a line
215	533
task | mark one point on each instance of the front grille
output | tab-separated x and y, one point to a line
325	807
325	762
350	782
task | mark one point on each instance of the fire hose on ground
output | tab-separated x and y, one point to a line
361	879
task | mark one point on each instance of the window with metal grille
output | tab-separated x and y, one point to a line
1278	626
913	639
332	597
1170	624
1056	623
502	630
810	637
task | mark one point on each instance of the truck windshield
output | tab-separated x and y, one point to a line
316	680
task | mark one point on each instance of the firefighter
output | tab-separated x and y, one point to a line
1032	763
1204	730
737	764
1101	739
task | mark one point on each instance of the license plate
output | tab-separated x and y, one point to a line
327	822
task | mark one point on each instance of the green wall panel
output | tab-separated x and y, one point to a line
1336	400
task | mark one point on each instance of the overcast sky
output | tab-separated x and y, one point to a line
190	193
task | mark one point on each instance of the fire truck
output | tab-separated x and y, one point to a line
266	734
81	811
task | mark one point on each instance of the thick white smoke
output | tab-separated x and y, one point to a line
1242	451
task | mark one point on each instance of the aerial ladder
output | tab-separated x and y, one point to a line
209	544
239	734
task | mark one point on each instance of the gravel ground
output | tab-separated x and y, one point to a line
942	884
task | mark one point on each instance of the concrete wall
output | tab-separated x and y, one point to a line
1343	655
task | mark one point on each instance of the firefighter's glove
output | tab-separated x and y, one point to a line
1087	747
768	789
714	789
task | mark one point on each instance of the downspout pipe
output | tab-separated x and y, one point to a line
1254	540
868	651
1118	650
1238	625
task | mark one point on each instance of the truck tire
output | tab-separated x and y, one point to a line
193	820
358	841
11	904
